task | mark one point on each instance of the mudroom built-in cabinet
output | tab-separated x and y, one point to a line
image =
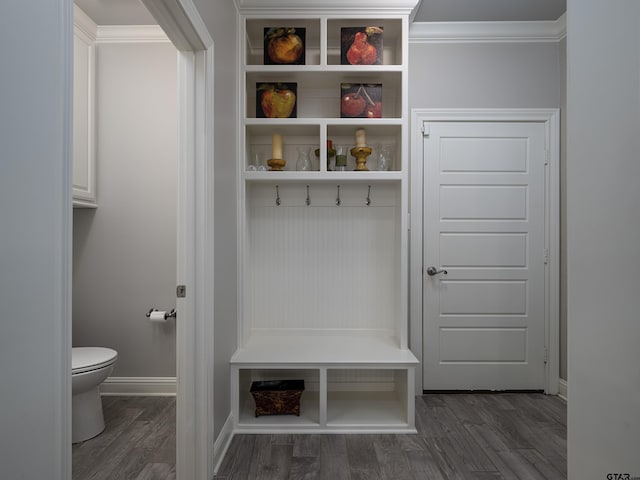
323	251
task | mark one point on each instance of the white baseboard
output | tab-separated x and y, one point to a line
139	386
562	389
222	443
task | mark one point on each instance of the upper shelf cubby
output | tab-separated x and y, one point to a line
386	31
323	38
256	29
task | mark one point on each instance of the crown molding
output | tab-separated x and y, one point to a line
342	7
131	34
83	23
489	32
181	22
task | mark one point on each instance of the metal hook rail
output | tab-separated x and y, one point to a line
307	200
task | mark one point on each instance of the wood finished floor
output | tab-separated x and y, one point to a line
138	443
460	436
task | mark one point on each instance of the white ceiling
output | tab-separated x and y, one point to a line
117	12
133	12
489	10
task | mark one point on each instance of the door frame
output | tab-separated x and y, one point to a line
185	28
550	117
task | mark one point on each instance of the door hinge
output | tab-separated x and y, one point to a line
547	157
546	256
181	291
425	129
546	355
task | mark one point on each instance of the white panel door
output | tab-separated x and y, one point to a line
484	224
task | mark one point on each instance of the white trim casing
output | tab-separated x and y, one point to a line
551	118
139	386
222	443
131	34
563	389
488	32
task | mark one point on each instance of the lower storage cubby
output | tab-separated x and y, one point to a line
309	401
372	398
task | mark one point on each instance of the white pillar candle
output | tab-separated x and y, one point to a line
276	146
361	138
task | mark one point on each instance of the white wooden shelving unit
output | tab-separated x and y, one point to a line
324	286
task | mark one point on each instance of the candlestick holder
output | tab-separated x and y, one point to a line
276	164
361	154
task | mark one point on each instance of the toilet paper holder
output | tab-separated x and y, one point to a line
167	315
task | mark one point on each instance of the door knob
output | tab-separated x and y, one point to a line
431	271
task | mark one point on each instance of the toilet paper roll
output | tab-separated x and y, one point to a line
158	316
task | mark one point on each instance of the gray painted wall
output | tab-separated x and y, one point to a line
124	252
603	231
35	236
221	19
484	75
491	75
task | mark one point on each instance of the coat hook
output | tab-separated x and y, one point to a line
308	200
277	196
368	196
338	201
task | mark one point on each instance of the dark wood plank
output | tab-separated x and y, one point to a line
304	468
542	464
155	471
391	459
307	445
334	467
520	466
422	464
271	461
333	445
238	459
362	457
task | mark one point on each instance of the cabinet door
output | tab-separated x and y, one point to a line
83	121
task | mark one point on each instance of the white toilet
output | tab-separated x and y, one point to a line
90	366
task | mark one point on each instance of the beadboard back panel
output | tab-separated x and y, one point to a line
323	267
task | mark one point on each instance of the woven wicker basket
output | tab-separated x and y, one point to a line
277	397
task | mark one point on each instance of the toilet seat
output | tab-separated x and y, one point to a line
86	359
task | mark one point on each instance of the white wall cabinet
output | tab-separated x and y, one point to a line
84	161
323	253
